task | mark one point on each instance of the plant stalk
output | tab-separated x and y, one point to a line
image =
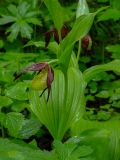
53	61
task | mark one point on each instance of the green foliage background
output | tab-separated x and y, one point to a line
24	116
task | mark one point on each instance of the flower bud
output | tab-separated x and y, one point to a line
64	32
86	42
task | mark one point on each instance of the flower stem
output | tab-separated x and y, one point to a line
53	61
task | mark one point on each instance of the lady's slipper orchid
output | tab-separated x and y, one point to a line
86	42
44	78
64	32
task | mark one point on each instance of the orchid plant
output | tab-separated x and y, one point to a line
65	103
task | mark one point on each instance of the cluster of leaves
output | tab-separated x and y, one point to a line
20	16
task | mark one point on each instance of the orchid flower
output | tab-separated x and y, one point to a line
44	78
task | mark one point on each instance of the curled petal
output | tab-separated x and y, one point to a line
64	31
34	67
50	78
47	37
56	37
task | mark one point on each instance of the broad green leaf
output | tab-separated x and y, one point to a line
30	128
80	29
92	71
112	148
64	60
82	8
83	151
65	104
56	11
18	91
13	122
98	140
5	101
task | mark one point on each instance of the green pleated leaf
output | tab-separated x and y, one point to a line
92	71
98	139
109	149
56	11
65	104
80	29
